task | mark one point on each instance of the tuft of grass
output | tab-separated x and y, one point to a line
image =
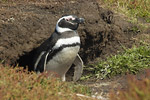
130	61
137	90
134	9
19	84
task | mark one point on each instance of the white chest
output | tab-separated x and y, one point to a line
67	54
62	61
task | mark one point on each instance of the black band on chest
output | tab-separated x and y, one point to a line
55	51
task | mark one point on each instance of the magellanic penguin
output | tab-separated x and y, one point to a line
60	51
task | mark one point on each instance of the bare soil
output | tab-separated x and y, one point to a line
25	25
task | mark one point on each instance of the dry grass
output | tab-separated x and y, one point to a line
135	10
37	1
137	90
19	84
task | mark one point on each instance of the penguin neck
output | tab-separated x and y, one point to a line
67	34
61	30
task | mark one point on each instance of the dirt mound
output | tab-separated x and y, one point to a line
24	26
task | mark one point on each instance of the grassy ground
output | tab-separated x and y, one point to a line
134	9
130	61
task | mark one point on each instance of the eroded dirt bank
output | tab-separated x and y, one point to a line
24	26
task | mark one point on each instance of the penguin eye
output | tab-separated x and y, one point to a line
68	19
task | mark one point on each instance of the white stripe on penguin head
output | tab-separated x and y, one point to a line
60	29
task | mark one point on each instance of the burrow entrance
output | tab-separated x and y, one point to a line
24	27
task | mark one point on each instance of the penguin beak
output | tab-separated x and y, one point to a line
80	20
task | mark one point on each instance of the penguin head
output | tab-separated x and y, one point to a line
68	23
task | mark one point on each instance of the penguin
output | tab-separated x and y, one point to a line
60	50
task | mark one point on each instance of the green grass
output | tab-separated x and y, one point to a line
19	84
134	9
130	61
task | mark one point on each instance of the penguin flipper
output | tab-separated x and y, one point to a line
40	63
78	68
38	59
